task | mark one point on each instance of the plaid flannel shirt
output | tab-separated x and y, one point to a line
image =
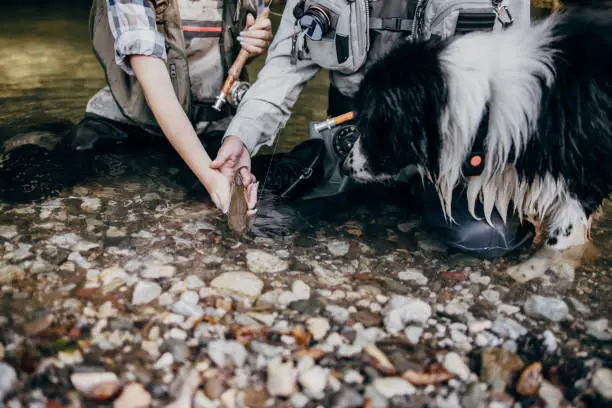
132	23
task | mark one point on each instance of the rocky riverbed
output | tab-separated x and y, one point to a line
124	292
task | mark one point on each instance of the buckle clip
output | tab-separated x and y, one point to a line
501	12
392	24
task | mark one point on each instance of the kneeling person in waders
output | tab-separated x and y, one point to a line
346	37
165	61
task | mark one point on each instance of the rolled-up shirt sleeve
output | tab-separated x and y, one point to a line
132	23
267	105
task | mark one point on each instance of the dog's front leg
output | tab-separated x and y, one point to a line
567	226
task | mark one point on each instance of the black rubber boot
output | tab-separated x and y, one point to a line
94	132
472	235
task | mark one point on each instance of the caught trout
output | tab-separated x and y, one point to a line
242	205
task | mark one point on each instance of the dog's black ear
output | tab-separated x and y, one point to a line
389	115
399	103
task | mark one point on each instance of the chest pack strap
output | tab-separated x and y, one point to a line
391	24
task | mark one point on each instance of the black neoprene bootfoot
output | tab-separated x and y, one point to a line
475	236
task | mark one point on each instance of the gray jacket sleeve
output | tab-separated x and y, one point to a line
266	107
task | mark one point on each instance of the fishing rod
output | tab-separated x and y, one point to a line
234	72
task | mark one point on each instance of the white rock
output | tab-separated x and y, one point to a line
114	232
166	360
506	309
507	327
281	378
599	329
225	352
79	260
413	275
193	282
286	297
413	333
602	382
338	313
402	310
241	284
188	309
456	308
86	382
546	307
90	204
263	262
550	341
338	248
158	271
455	364
314	381
476	326
491	296
190	297
73	242
551	395
459	337
353	377
145	292
318	326
165	299
133	396
200	400
390	387
300	290
299	400
8	380
114	273
8	231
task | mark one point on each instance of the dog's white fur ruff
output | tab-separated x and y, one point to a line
508	82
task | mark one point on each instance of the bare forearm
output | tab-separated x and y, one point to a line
159	92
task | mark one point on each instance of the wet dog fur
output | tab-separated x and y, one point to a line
548	148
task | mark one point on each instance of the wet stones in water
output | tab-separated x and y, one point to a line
32	172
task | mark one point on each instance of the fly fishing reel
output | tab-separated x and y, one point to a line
344	139
236	93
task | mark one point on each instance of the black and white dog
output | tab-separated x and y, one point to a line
548	145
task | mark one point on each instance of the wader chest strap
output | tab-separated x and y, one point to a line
391	24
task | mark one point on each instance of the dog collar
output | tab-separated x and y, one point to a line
475	161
